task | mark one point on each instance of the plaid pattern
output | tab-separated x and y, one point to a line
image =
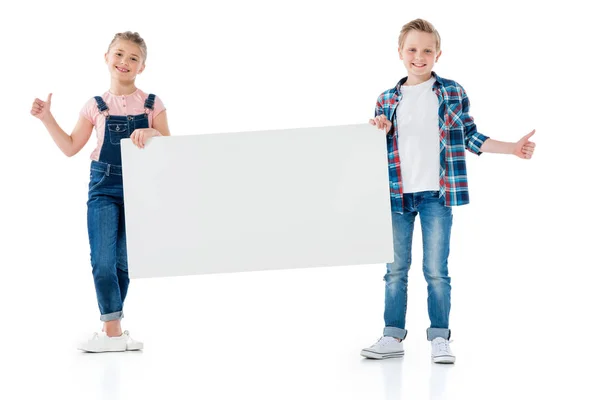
457	133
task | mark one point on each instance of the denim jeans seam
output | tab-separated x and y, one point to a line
432	206
104	176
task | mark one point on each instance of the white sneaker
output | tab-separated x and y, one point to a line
440	351
100	343
386	347
131	343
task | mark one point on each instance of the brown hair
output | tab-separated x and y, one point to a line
133	37
422	26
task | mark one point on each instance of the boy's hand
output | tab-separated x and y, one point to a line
381	122
524	148
41	109
140	136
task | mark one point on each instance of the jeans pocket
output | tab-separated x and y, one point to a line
117	131
96	179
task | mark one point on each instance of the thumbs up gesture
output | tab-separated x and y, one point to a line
524	148
41	109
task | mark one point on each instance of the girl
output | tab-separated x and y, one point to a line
122	112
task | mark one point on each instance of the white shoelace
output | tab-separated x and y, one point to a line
442	346
386	340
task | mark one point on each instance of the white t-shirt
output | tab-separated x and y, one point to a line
419	137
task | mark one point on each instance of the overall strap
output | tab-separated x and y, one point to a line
149	104
101	104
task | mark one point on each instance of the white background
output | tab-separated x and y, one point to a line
523	260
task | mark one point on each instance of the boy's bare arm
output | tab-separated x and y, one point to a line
523	148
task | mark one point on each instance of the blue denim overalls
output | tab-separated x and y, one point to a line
106	217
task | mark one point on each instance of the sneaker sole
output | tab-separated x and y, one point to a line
381	356
135	348
444	360
101	350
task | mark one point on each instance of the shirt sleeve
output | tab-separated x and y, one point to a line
89	111
380	110
158	107
473	139
379	105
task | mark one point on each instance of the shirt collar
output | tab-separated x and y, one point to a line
437	83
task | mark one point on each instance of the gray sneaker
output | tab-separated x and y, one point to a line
440	351
386	347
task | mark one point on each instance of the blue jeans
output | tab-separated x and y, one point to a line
106	229
436	224
106	213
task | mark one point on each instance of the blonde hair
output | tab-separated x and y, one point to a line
133	37
419	25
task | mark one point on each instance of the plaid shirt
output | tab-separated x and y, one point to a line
457	132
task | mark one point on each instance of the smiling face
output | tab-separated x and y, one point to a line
419	53
124	60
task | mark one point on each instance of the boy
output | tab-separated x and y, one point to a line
428	127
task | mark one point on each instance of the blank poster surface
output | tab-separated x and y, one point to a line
250	201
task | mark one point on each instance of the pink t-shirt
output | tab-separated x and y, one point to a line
132	104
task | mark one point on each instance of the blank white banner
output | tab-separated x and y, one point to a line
251	201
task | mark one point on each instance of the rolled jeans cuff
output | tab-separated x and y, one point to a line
395	332
112	316
433	333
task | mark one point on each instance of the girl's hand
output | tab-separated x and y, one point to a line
41	109
381	122
140	136
524	148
